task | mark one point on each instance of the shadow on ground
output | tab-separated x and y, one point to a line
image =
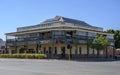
92	59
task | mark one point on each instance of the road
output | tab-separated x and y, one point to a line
57	67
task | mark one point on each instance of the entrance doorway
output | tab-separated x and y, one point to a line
62	52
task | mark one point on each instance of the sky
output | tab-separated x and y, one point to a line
19	13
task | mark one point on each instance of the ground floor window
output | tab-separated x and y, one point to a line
22	50
63	52
44	50
13	51
30	51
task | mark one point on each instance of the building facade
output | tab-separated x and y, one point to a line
57	37
2	46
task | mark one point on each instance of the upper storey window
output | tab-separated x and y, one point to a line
33	35
110	36
22	36
82	33
28	35
90	34
58	32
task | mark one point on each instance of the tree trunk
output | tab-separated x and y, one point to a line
106	52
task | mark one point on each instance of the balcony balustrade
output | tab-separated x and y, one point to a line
52	37
10	40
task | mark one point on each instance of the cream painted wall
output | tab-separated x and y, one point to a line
74	47
101	52
18	48
59	48
32	47
95	51
83	49
90	51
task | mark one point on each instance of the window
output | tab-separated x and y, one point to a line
91	34
112	43
58	32
20	39
33	35
110	36
21	36
82	41
81	33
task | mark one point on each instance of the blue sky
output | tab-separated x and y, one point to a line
18	13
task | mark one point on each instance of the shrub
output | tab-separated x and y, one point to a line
27	56
42	56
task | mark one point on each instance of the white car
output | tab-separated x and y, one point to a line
117	56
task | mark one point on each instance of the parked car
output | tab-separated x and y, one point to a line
117	56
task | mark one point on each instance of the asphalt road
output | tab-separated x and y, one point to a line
57	67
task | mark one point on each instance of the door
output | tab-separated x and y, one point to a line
62	52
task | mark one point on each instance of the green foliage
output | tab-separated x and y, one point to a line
116	37
27	56
100	43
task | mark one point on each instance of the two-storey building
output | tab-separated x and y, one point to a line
55	36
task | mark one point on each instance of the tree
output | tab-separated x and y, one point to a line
116	37
100	43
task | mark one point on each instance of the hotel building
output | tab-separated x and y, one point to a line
57	37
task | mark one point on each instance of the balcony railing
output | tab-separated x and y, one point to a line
79	41
11	44
10	40
20	43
